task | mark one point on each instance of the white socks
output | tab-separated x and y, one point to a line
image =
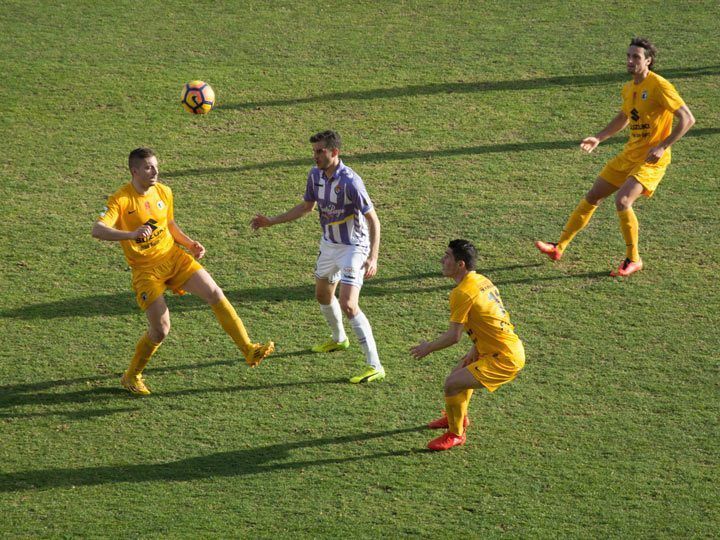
363	331
333	316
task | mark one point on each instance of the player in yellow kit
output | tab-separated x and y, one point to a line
497	354
140	216
649	104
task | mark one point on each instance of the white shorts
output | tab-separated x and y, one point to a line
341	262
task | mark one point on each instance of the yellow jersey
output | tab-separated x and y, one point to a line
127	210
649	107
476	304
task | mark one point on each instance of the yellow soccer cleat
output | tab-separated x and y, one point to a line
258	353
330	346
134	384
369	375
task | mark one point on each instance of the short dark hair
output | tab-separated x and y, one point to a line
650	49
465	251
139	154
329	139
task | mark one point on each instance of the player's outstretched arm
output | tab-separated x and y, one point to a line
302	209
105	232
195	247
618	123
686	120
451	337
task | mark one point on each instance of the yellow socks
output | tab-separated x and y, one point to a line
630	231
143	351
232	324
577	221
456	409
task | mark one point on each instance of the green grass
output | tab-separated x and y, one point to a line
463	118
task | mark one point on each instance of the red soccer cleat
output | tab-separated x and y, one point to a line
446	441
442	422
627	267
550	249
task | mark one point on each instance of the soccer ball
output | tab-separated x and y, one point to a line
197	97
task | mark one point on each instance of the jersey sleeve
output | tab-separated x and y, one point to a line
460	304
359	196
309	191
111	212
668	96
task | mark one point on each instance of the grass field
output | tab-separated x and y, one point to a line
463	118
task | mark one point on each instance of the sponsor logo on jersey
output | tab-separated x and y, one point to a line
635	115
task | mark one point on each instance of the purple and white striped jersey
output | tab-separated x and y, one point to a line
342	202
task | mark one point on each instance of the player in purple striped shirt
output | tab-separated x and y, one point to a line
348	248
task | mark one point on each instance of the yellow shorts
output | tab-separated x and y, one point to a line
171	273
494	370
619	169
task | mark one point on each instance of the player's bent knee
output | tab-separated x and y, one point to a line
158	334
457	382
594	198
451	386
349	308
323	298
215	295
623	202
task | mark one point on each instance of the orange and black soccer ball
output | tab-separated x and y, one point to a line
197	97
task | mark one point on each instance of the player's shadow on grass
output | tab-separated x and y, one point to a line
123	303
108	305
14	395
376	157
462	87
71	415
260	460
106	393
96	379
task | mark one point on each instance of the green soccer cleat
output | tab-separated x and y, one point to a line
369	375
330	346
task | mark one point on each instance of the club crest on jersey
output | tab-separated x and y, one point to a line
143	296
643	96
160	205
337	189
